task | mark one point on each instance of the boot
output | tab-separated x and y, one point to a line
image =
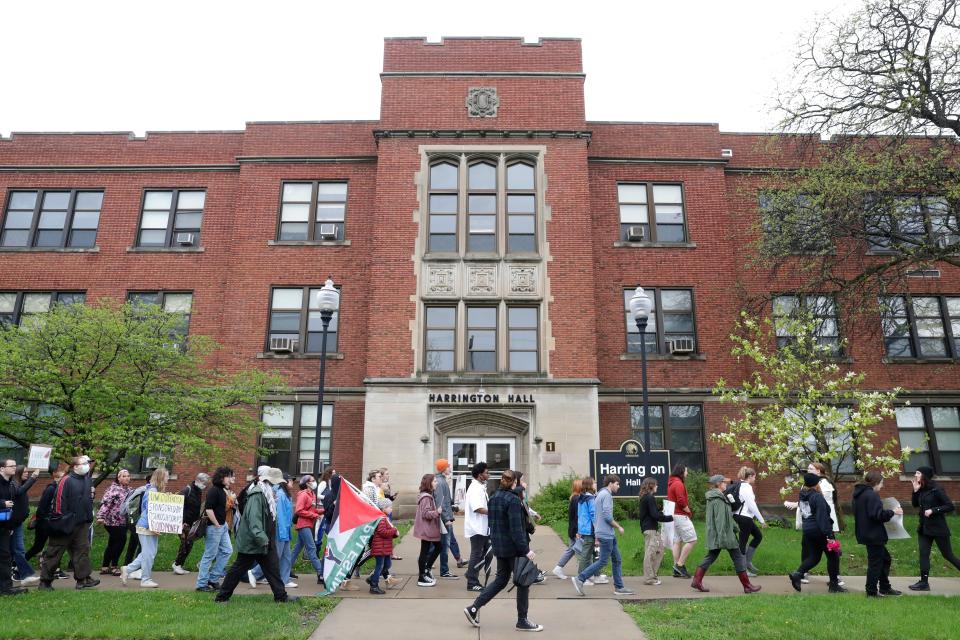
348	585
698	580
745	581
921	584
752	571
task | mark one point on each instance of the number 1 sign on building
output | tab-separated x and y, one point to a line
631	465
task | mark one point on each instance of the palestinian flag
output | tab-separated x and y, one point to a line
353	524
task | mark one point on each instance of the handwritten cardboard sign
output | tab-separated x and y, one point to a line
165	512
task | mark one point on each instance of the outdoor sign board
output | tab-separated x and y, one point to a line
630	464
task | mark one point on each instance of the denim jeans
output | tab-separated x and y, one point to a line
216	553
608	551
19	553
148	553
306	542
448	541
321	531
383	564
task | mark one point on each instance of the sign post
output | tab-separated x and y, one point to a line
630	463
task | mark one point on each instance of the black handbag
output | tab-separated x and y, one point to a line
525	572
198	528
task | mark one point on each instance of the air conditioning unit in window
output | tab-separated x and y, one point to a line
328	231
283	345
186	239
680	346
306	466
154	462
635	233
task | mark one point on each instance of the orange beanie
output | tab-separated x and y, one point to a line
442	465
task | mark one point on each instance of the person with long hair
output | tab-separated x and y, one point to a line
650	519
217	548
827	491
426	527
586	533
149	541
306	514
114	520
933	502
575	490
685	535
818	535
869	516
24	480
747	517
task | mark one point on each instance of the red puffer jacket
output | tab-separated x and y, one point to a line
382	542
305	509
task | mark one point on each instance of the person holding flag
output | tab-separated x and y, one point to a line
353	521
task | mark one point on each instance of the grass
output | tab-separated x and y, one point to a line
157	615
824	617
779	553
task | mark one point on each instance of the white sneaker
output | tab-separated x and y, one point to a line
588	582
180	571
124	575
149	584
804	581
136	575
601	579
29	582
252	580
841	583
291	585
557	571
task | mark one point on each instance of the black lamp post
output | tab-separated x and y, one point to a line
640	306
328	301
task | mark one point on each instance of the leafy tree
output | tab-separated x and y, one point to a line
798	406
113	382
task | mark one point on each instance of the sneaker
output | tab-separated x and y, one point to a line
804	580
841	583
920	585
652	582
136	575
148	584
475	587
89	583
291	585
890	592
16	591
252	580
836	588
461	564
588	582
60	575
376	590
526	625
429	576
676	572
751	574
601	579
124	575
623	591
473	615
795	581
449	576
207	588
683	571
423	582
180	571
31	581
264	581
558	571
214	584
578	585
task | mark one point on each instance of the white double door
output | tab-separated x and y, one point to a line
498	453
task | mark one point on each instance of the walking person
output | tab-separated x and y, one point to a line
216	539
747	517
510	542
475	523
371	488
41	532
306	515
721	534
933	503
650	519
69	521
23	480
444	502
685	535
321	491
827	491
586	517
604	526
8	494
149	540
427	527
818	534
568	553
256	539
114	520
869	516
381	547
192	511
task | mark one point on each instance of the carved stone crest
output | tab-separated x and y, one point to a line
482	102
482	281
440	282
523	280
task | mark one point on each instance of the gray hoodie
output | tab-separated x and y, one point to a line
441	495
603	525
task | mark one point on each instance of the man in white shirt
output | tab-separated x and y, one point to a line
475	526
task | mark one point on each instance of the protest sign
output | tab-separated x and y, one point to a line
895	530
39	456
165	512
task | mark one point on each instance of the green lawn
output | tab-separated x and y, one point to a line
823	617
779	553
106	615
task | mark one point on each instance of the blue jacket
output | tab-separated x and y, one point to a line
586	514
144	521
284	515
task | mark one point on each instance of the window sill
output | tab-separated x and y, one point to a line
309	243
663	357
938	478
166	249
918	360
50	249
655	245
269	355
482	257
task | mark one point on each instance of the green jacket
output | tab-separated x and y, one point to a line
253	533
722	529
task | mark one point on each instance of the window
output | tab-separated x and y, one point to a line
933	436
481	338
290	318
521	209
443	206
795	224
291	433
522	340
809	421
921	326
821	310
661	203
60	218
482	207
440	340
481	350
681	433
171	302
312	211
16	306
670	319
905	222
170	217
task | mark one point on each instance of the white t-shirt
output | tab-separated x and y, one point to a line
475	524
749	500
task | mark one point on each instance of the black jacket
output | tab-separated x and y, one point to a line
572	518
815	513
507	532
650	515
8	491
869	515
76	498
329	499
192	501
46	502
933	497
21	502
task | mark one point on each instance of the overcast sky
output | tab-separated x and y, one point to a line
174	65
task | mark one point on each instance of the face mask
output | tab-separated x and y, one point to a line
83	469
313	486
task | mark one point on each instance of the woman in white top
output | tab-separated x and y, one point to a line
827	490
745	515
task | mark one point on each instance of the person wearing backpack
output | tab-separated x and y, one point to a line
138	506
44	507
192	501
818	535
745	510
69	524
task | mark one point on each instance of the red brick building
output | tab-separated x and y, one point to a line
484	235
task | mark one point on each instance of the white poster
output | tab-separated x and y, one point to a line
39	457
668	530
165	512
895	530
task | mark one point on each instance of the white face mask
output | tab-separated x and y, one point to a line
83	469
313	486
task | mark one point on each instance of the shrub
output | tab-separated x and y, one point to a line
552	500
696	484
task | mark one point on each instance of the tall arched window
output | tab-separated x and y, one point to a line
444	184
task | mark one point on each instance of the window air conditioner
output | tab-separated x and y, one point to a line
154	462
680	346
635	233
306	466
283	345
328	231
186	239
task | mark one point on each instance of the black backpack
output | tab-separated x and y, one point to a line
732	494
